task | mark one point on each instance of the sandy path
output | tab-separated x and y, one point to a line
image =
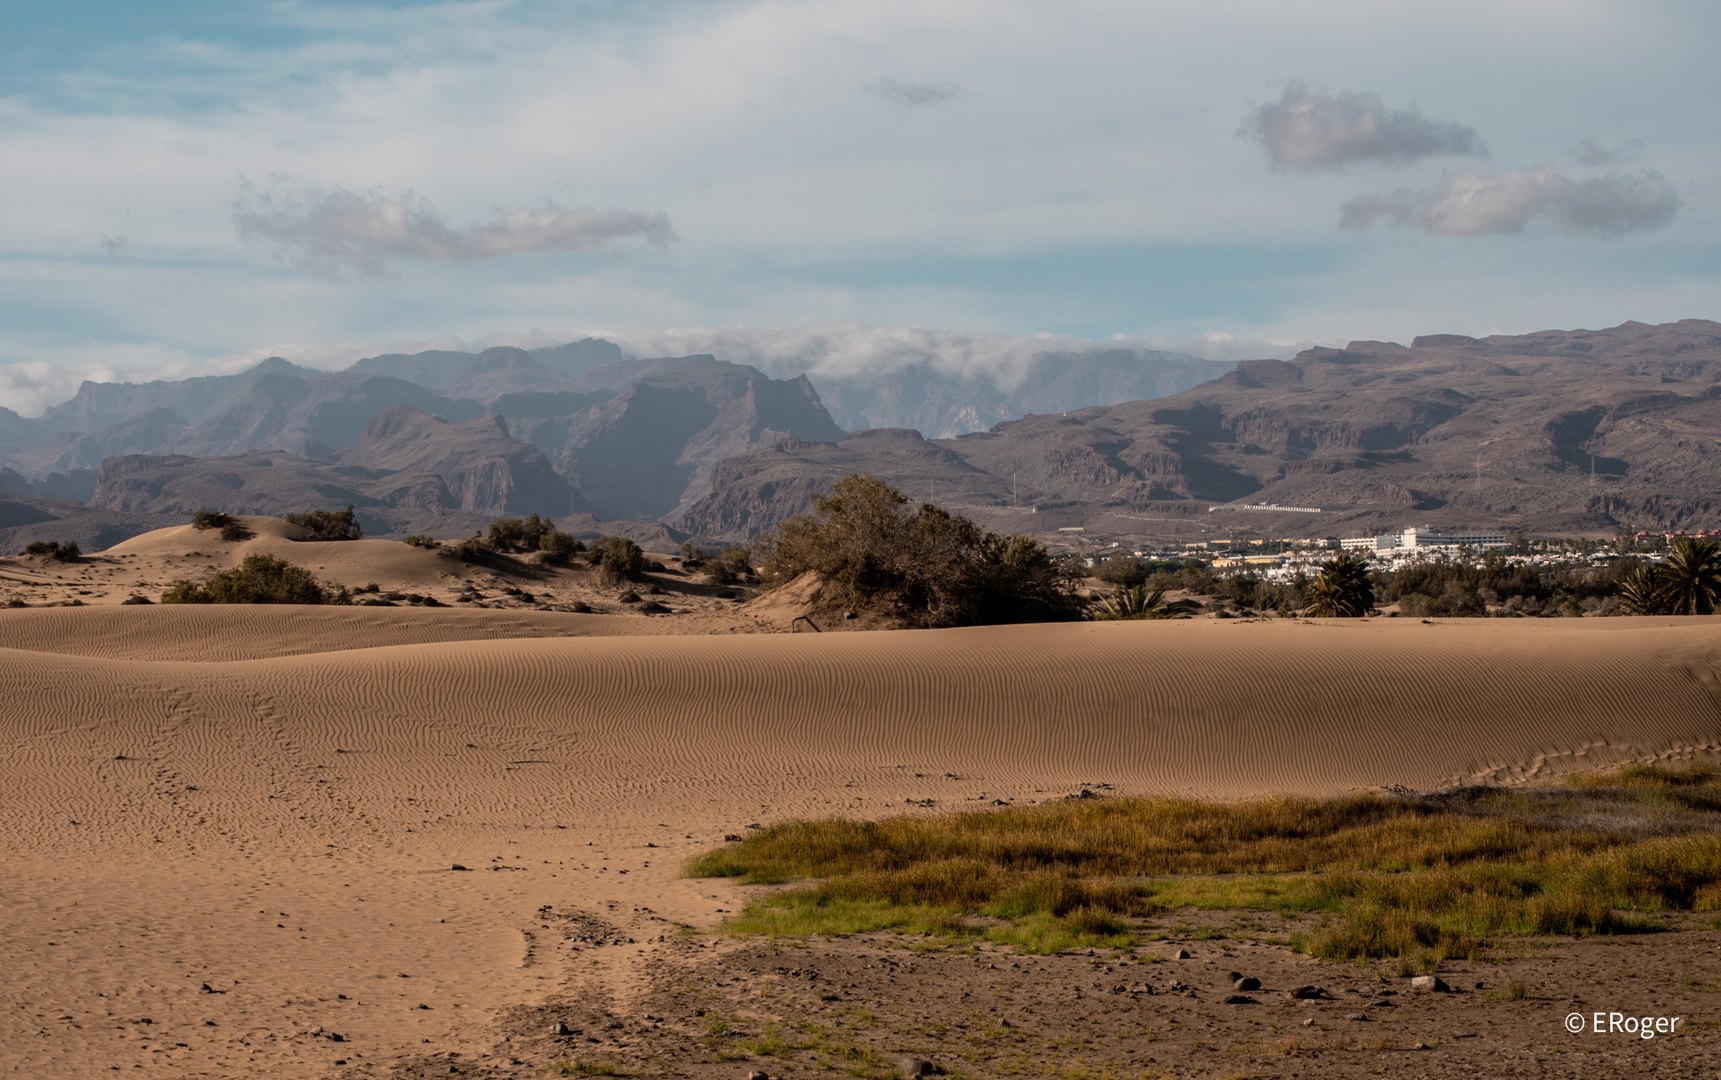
158	816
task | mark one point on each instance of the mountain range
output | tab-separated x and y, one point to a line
1558	430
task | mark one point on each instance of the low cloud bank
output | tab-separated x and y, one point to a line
1306	129
329	232
1478	204
845	351
849	350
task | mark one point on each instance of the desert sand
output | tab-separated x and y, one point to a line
268	802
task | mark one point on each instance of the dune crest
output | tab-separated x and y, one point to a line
269	800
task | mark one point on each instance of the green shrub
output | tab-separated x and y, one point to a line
1137	603
559	546
1122	571
260	579
616	559
232	529
926	566
330	524
729	567
53	549
468	550
425	542
533	534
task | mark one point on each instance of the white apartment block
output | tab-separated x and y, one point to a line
1421	540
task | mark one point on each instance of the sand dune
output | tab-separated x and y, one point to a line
172	781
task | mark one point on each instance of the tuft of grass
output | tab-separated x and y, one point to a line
1424	878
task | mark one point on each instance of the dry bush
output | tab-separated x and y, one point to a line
330	524
54	549
617	559
729	566
260	579
926	566
232	529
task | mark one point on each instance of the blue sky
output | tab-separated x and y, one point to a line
191	185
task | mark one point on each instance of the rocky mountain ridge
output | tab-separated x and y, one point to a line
1555	430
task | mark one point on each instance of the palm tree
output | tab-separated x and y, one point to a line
1637	590
1342	589
1137	604
1689	579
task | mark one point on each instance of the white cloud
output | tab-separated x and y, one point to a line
331	231
1306	129
850	349
1477	204
912	95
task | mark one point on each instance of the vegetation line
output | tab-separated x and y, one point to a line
1420	877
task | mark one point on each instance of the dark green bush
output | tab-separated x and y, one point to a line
417	541
232	529
1123	570
330	524
926	566
617	558
53	549
533	534
470	549
260	579
729	567
559	546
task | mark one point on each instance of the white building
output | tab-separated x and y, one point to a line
1421	540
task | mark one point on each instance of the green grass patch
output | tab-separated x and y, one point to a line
1425	876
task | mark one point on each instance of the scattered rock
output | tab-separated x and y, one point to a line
1356	1016
1383	1003
1310	1022
1309	993
1429	984
910	1067
559	1028
1246	982
757	1075
1420	1046
1240	999
205	988
1181	954
457	866
629	597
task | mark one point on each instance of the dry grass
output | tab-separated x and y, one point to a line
1423	876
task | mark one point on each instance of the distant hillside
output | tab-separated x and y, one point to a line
940	403
1559	430
1554	430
